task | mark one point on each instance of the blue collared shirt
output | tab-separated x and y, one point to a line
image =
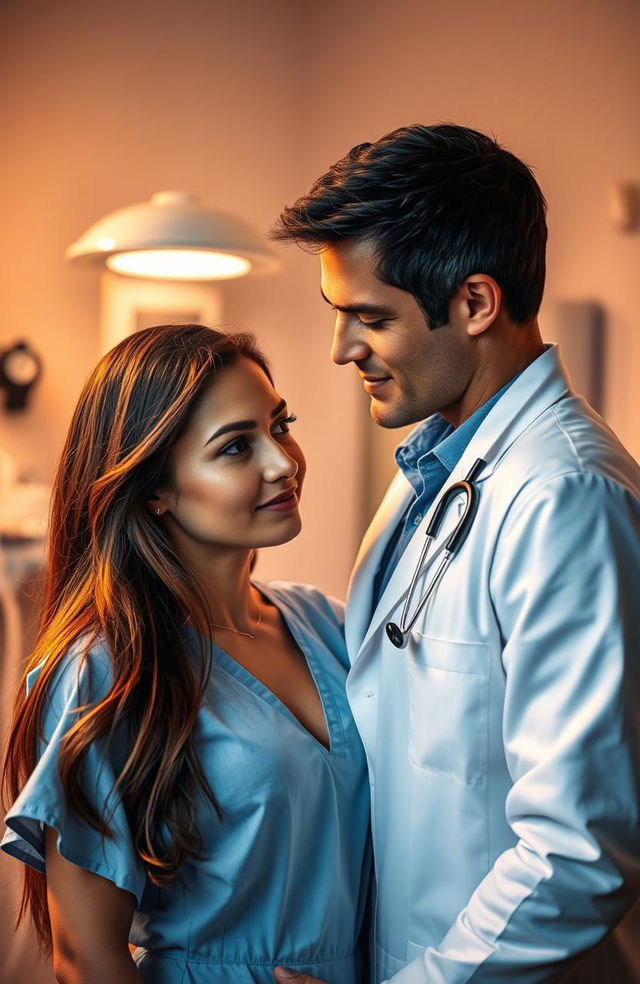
427	458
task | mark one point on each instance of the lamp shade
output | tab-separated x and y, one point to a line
173	237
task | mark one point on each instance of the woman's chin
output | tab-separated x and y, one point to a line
289	531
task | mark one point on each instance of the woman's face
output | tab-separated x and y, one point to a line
236	471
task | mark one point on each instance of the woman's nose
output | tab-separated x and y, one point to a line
279	464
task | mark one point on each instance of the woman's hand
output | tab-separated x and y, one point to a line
90	923
285	976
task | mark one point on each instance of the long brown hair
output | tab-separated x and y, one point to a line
112	574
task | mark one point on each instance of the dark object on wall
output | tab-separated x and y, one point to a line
20	369
579	329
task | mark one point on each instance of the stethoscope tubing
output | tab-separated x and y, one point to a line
399	633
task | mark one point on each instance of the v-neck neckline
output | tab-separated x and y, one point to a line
244	676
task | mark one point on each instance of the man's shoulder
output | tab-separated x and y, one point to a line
569	437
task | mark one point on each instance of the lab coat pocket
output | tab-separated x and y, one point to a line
449	696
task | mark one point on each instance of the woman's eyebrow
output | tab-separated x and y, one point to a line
239	425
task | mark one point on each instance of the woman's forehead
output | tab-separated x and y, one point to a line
240	391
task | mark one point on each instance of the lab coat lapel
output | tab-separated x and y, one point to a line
369	556
543	383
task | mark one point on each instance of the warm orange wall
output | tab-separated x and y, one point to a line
244	104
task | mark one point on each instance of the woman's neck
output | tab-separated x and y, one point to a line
225	581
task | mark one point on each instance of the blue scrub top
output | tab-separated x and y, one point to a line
284	875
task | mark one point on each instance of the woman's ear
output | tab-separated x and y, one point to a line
481	301
155	504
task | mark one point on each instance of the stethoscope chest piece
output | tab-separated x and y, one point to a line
399	634
397	637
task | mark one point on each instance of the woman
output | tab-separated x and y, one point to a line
206	801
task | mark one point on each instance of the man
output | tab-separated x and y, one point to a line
502	730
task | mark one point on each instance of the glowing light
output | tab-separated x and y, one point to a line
179	264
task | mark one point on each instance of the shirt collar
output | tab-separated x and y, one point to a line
422	439
435	436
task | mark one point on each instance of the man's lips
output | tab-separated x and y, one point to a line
285	500
373	384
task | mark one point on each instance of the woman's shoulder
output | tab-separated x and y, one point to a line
84	672
318	617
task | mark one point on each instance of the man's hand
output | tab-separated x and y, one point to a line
285	976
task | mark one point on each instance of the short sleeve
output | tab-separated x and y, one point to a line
82	679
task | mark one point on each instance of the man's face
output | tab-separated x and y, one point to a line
409	371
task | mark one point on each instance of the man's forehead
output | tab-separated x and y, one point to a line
357	253
350	269
349	280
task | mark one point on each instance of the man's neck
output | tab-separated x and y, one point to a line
500	360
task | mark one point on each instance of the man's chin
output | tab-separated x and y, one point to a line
389	415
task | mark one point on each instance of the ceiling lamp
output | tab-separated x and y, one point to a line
173	237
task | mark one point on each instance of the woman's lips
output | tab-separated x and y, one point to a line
282	503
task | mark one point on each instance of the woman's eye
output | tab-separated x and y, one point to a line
235	448
282	426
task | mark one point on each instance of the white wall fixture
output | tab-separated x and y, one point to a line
161	261
130	303
173	237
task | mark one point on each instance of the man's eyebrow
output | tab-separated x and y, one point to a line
357	308
241	425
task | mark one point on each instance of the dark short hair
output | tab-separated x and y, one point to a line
440	203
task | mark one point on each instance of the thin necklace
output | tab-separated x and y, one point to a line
247	635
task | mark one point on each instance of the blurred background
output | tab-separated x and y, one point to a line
243	105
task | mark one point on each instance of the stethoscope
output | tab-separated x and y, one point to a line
399	634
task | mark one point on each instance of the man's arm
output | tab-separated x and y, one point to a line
90	922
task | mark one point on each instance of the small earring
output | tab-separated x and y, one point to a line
158	511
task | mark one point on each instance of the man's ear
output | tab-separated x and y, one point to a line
479	300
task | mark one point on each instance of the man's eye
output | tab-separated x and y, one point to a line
380	323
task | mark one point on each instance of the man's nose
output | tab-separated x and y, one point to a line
347	345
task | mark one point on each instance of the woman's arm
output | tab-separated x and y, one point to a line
90	922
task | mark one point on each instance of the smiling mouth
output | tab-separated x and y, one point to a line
285	500
373	384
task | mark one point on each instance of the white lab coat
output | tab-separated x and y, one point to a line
503	743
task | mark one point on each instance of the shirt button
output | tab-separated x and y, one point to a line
417	520
368	693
